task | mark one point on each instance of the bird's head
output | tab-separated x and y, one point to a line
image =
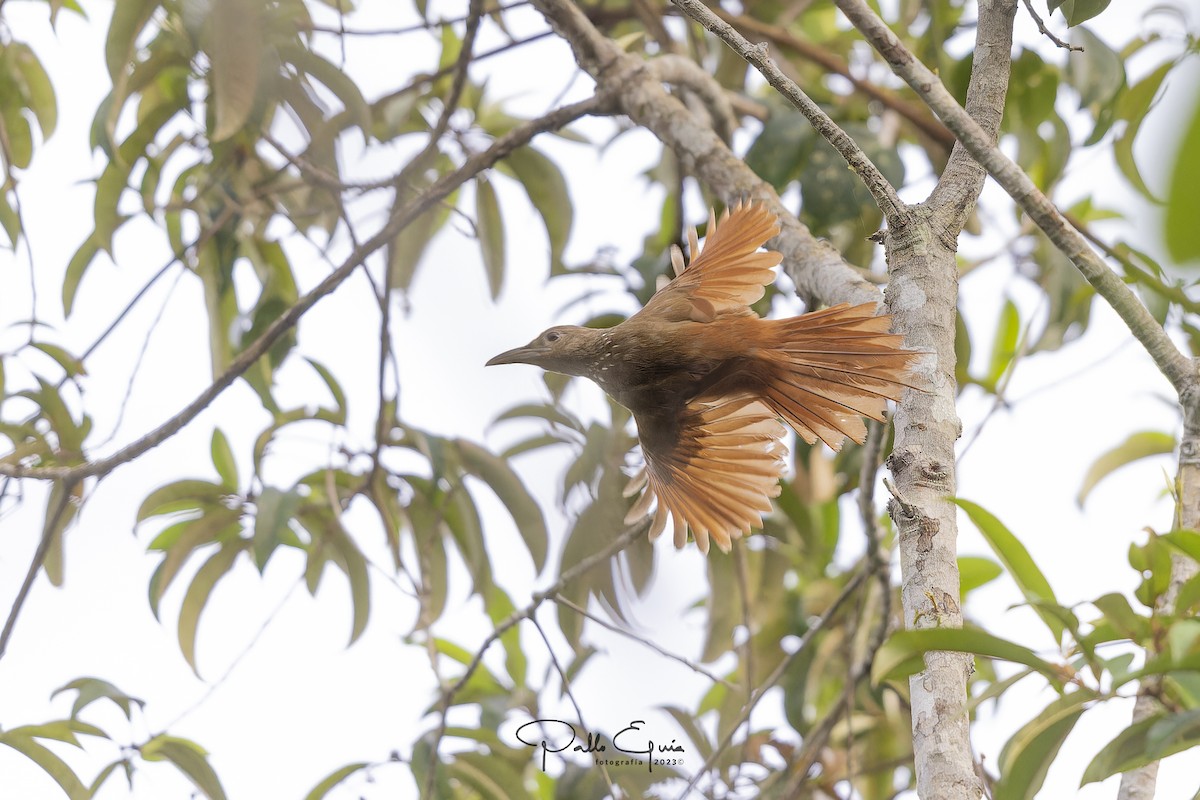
564	348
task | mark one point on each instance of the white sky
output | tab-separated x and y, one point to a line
299	704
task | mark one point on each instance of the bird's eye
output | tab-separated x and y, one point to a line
553	336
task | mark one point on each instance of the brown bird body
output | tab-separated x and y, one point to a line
706	380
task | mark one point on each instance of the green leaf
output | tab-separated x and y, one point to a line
405	251
1098	73
1017	561
335	80
1144	742
525	511
1077	11
54	766
128	19
234	43
38	90
1124	620
180	496
78	264
215	568
190	758
53	562
335	389
181	540
272	517
1027	756
71	365
1143	444
223	461
1133	106
903	653
1183	201
974	572
499	608
354	564
547	190
490	227
1004	346
93	689
491	778
333	779
20	137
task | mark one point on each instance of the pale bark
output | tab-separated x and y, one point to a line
816	268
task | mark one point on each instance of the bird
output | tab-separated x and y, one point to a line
707	380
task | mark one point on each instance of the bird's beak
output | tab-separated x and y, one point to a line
518	355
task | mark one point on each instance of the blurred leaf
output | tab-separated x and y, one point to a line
215	568
190	758
1098	73
499	608
179	496
1077	11
1183	202
36	88
1133	106
782	147
1017	561
1149	740
235	34
974	572
525	511
1118	613
490	227
92	689
491	778
1142	444
22	741
55	525
1004	345
220	524
547	190
405	251
274	510
903	653
333	779
1027	756
128	19
223	461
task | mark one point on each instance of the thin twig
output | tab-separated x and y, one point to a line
620	543
566	683
1047	33
35	564
817	626
881	190
402	216
603	623
1173	364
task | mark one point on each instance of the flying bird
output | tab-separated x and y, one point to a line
707	380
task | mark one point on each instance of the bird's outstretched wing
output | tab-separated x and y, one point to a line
727	276
714	471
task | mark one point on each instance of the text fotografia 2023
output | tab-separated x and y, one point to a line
556	735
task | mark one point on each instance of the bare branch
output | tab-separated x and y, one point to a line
401	217
817	269
1047	33
1173	364
882	191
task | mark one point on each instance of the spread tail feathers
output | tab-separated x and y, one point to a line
826	370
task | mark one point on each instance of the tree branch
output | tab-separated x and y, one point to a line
817	269
401	217
882	191
1173	364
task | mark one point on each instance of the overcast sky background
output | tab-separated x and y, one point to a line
299	704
